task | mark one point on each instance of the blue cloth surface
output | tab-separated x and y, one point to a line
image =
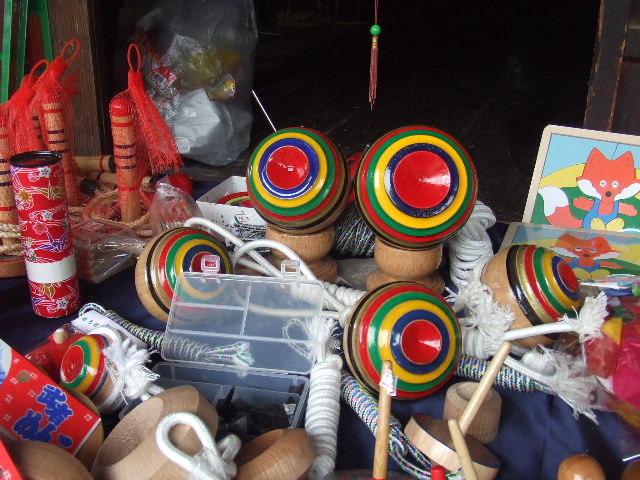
537	431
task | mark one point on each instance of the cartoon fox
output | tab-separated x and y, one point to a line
608	182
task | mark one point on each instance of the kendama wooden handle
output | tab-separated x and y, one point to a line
381	452
484	386
57	140
398	264
462	450
126	160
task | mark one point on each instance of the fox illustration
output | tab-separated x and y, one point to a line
607	182
589	255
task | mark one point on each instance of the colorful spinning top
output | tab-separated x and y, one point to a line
416	186
298	182
169	254
536	284
412	327
84	369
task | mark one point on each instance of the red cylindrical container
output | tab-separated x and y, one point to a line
38	184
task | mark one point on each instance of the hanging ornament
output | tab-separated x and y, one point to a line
373	67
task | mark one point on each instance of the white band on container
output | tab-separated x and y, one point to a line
53	272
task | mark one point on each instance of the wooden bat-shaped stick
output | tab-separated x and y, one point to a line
7	200
57	140
95	163
124	151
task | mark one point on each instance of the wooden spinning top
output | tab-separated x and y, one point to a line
298	182
165	257
536	284
411	326
415	186
433	437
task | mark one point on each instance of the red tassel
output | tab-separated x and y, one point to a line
153	135
373	71
22	132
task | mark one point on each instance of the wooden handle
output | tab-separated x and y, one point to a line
461	450
8	212
381	452
124	151
57	140
95	163
484	386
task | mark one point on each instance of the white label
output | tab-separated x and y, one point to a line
389	381
91	320
54	272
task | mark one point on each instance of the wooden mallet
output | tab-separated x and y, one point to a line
433	437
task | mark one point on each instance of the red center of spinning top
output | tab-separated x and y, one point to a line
72	363
287	167
422	179
421	342
568	277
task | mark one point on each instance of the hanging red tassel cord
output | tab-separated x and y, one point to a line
375	31
22	132
154	139
53	104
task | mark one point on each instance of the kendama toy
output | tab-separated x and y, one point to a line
298	182
409	325
536	284
169	254
434	438
415	187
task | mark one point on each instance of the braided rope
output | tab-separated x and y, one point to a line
352	235
103	207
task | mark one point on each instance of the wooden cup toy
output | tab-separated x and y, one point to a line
415	187
483	428
433	436
536	284
283	454
409	325
44	461
298	182
131	452
165	257
580	467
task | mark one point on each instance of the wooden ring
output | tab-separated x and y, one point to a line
277	455
130	451
483	427
44	461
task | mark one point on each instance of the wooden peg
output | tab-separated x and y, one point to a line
95	163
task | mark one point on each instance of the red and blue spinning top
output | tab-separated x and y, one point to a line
416	186
411	326
297	180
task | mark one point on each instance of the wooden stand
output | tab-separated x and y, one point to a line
432	436
398	264
277	455
130	451
44	461
311	247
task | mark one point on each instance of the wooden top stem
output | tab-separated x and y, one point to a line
381	452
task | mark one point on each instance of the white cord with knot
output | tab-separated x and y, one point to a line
214	462
125	364
471	246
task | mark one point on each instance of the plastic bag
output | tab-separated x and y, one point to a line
198	66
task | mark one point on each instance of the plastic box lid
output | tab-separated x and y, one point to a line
257	323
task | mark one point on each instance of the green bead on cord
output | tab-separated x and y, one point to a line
375	30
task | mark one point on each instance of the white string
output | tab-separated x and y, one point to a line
471	246
131	379
214	462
